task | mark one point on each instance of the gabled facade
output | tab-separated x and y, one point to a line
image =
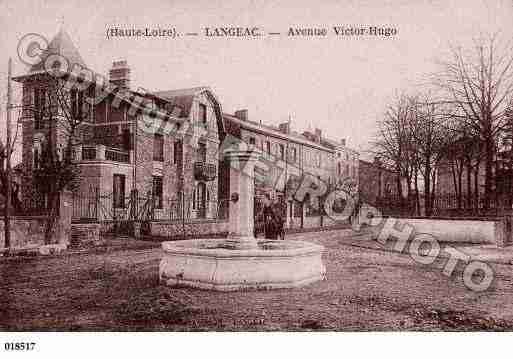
163	145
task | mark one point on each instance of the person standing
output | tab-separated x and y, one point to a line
273	223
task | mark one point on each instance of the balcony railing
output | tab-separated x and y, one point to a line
112	154
205	171
88	153
102	153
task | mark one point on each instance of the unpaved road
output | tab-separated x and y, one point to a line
366	289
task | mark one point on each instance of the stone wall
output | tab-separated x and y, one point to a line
25	231
174	230
84	234
464	230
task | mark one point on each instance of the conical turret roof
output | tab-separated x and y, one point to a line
63	45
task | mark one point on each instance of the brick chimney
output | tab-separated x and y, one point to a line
318	135
242	114
119	74
284	127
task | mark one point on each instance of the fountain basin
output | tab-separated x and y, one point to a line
221	264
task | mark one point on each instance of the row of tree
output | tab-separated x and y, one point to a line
461	124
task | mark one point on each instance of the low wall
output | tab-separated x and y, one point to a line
312	222
84	233
25	231
175	230
465	230
30	231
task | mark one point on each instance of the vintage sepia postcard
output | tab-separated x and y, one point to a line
253	166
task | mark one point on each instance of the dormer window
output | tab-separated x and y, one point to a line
202	113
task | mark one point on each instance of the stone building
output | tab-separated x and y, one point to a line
162	144
376	181
298	153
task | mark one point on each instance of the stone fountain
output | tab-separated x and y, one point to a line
241	261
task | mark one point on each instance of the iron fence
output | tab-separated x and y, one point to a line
96	206
445	205
35	204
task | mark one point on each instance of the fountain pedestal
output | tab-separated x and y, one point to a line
242	189
241	261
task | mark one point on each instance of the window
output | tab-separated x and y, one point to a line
118	191
199	199
294	155
177	152
202	152
157	191
282	152
202	113
252	140
158	148
77	103
318	160
268	147
339	170
36	158
39	107
126	139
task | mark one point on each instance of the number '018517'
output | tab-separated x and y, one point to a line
19	346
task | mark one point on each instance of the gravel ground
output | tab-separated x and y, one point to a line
116	288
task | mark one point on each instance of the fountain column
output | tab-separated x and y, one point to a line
242	194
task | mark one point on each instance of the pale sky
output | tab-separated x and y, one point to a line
339	84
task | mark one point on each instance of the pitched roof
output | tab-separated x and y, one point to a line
233	123
182	98
328	142
63	45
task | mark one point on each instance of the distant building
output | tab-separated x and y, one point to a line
376	181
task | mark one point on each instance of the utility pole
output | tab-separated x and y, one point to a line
7	224
285	189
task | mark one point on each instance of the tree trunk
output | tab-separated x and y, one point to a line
417	197
476	187
469	185
427	191
52	217
399	187
489	148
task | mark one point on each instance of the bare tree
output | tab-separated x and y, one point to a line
480	83
59	111
430	134
393	141
15	199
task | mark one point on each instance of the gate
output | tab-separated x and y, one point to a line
117	213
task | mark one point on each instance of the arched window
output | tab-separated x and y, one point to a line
36	157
